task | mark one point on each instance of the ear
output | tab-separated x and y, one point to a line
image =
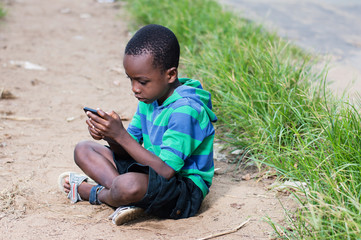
172	74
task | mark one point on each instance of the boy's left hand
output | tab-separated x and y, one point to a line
108	125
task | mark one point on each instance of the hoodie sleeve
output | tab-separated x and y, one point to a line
135	127
187	129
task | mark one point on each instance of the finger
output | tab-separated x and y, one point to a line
89	123
91	127
114	115
96	136
97	127
94	131
95	118
103	114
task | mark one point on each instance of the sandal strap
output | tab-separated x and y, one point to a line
75	180
93	197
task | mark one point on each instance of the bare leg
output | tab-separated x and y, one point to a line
97	162
126	188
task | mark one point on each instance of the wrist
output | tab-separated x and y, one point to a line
109	140
122	137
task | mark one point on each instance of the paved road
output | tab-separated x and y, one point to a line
329	27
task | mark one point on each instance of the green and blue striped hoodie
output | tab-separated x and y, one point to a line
180	131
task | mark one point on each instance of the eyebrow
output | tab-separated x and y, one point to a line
138	78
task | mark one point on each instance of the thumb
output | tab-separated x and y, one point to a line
114	115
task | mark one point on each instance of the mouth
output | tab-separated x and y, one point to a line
140	98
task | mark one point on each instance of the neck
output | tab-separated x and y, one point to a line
175	84
170	91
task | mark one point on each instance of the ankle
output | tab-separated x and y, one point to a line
84	190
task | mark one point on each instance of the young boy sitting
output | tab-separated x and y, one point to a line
171	173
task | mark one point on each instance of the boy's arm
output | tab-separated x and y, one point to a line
110	126
116	148
143	156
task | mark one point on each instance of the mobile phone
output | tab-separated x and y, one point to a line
86	109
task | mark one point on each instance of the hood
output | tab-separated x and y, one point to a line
193	89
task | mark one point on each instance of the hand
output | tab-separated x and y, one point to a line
109	125
94	133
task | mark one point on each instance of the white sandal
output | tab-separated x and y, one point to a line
75	179
126	214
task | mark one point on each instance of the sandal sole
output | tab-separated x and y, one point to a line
127	215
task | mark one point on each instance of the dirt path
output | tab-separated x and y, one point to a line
78	46
326	28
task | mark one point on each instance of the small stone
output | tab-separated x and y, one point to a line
65	10
85	15
246	177
78	37
237	152
70	119
27	65
116	83
237	205
35	82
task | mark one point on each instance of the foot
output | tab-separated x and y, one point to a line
83	189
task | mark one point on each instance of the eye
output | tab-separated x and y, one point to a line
142	82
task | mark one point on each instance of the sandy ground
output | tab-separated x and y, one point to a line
77	48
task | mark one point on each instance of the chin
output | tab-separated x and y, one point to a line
147	101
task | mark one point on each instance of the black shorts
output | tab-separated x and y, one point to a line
178	197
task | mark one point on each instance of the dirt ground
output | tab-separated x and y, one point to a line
77	47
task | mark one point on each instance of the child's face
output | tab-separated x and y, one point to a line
148	83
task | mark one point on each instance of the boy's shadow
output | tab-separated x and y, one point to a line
222	182
227	177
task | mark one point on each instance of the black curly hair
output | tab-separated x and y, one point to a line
158	41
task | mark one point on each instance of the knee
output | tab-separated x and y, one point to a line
81	150
126	189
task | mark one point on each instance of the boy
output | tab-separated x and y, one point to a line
171	174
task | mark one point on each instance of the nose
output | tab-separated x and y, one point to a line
135	87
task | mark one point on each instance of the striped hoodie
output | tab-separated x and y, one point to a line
180	131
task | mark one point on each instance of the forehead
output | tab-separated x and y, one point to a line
139	63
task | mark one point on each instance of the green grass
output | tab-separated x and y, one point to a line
269	101
2	11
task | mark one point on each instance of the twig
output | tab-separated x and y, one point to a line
123	118
142	228
19	118
226	232
249	196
